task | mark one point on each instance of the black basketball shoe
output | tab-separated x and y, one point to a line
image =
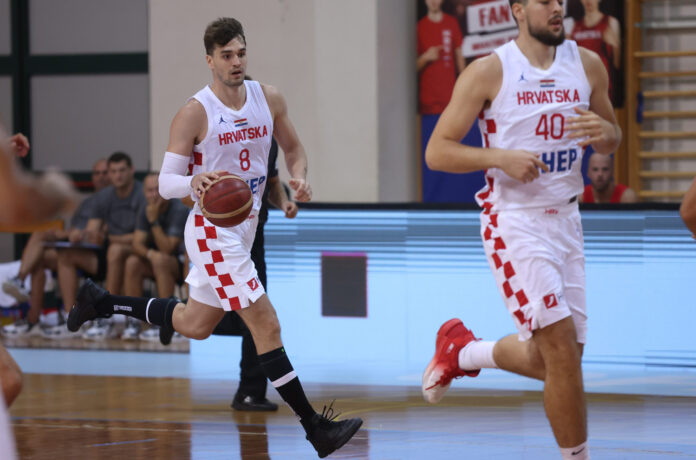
327	435
86	306
166	331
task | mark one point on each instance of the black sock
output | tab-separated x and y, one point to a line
152	310
279	371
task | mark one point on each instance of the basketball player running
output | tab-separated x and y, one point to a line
15	209
534	133
227	126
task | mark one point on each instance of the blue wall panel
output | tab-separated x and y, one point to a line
426	266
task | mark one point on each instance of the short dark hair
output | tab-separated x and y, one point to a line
220	32
118	157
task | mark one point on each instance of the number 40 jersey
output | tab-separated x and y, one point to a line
529	113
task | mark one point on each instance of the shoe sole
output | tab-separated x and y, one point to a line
347	435
428	394
80	314
165	336
431	396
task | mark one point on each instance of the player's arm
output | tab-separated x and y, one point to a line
286	136
189	125
278	198
597	126
25	200
687	210
475	87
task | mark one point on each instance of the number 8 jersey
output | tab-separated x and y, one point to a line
237	141
529	113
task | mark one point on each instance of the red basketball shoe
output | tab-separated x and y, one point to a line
452	337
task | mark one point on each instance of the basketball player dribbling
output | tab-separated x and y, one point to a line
539	101
227	126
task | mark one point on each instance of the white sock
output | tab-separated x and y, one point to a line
581	452
477	355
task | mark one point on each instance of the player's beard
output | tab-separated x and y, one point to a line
230	81
603	186
546	37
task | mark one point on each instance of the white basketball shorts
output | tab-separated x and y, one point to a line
223	274
538	261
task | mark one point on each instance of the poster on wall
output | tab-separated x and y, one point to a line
598	25
593	24
453	33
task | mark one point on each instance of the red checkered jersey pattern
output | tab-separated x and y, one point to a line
504	271
209	247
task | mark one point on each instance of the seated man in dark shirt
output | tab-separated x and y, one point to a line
37	257
116	206
159	230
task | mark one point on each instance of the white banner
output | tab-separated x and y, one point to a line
478	45
489	17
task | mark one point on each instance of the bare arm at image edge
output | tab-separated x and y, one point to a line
687	210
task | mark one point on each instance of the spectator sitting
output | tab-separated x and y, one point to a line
159	231
602	188
116	206
37	257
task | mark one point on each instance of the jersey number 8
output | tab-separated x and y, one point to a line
244	162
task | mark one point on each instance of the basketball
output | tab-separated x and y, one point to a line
227	201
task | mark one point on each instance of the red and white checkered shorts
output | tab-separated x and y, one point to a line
223	274
538	261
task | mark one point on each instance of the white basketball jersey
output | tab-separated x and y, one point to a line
237	141
529	113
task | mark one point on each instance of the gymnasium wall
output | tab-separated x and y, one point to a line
345	68
669	37
427	266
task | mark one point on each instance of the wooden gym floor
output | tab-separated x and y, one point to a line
103	417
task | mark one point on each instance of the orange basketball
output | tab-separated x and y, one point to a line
227	201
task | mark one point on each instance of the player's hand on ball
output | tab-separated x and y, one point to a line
522	165
303	192
290	209
202	181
